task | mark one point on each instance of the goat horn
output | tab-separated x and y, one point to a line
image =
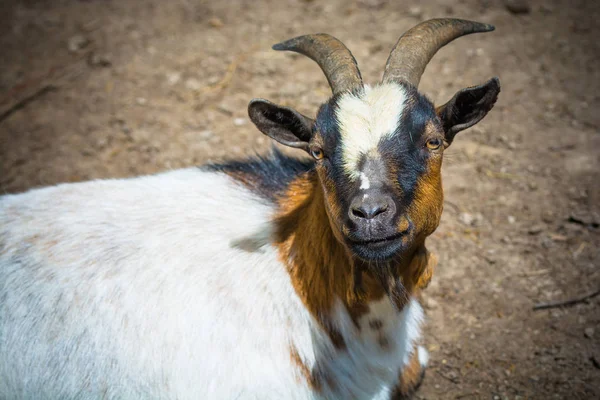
415	48
336	61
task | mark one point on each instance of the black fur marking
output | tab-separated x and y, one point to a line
406	149
267	176
326	125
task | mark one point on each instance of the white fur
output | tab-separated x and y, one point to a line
366	118
166	287
423	356
364	181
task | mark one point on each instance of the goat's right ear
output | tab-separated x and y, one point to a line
285	125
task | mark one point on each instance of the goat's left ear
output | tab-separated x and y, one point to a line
468	107
285	125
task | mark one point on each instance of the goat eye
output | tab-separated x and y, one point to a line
434	144
316	152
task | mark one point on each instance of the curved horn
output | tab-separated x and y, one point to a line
416	47
336	61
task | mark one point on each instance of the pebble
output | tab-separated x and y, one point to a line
77	42
239	121
589	332
471	219
415	12
517	6
173	78
193	84
141	101
511	220
430	303
536	229
99	60
205	135
216	22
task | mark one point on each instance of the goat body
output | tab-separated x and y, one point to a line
136	289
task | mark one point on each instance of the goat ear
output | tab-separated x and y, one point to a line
468	107
283	124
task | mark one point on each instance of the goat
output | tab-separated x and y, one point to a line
270	278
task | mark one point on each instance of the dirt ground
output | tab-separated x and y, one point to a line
100	88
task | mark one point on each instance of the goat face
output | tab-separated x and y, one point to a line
378	150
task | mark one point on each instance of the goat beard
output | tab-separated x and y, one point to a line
389	278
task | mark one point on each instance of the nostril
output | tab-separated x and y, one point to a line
376	210
369	211
359	213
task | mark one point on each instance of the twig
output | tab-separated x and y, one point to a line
501	175
24	93
565	303
534	273
463	395
26	100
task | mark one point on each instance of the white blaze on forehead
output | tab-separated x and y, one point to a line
364	181
366	118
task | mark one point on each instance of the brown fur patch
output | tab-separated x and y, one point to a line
383	342
420	271
426	208
410	379
313	380
320	267
422	266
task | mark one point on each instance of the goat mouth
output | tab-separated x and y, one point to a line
381	240
380	248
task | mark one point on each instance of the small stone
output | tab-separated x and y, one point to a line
466	218
415	12
536	229
548	216
490	259
173	78
430	303
372	4
205	135
193	84
99	60
215	22
77	42
225	109
101	143
141	101
239	121
589	332
517	6
511	219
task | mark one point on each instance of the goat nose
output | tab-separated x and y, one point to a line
368	209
